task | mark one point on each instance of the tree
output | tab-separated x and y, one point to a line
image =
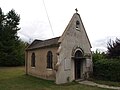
114	48
10	44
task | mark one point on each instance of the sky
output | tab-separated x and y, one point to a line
101	18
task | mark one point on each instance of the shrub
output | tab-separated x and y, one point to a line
98	56
107	70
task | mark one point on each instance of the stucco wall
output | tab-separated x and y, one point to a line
40	69
72	38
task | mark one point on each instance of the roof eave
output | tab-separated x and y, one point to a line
53	45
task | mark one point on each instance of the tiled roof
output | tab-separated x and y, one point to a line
43	43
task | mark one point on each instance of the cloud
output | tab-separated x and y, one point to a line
100	18
101	44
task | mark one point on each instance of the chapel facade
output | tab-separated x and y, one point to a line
62	59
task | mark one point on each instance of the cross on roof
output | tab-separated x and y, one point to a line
76	10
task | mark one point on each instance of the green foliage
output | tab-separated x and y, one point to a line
107	66
11	48
114	49
107	69
98	56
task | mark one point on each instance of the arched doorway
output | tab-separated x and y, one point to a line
78	60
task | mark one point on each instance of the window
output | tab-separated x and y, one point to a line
33	60
49	59
77	24
78	53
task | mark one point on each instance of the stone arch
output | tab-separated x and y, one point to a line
78	53
77	48
78	60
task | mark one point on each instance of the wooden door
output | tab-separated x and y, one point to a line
77	68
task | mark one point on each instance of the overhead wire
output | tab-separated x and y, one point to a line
48	18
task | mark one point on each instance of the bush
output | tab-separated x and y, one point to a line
98	56
107	70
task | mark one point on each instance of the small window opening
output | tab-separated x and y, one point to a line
33	60
77	24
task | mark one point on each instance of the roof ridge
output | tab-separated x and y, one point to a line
51	38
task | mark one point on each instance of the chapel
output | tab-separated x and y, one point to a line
62	59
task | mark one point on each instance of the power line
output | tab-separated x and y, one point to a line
48	18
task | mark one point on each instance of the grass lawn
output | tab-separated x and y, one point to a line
14	78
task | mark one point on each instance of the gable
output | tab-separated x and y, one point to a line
72	25
56	41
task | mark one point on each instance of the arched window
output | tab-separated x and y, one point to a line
77	24
49	59
78	54
33	60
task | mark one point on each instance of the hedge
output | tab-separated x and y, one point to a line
107	70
